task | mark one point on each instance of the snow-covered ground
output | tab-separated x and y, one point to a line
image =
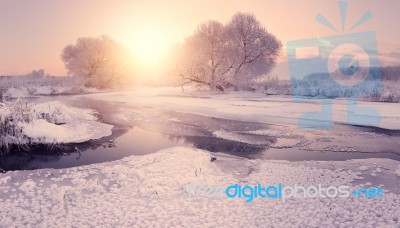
50	122
151	190
29	91
57	123
36	84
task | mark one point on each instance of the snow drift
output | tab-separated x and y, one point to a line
48	123
143	191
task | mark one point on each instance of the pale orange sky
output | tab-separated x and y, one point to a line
33	33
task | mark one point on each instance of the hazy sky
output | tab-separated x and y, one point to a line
34	32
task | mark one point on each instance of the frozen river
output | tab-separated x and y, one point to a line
248	125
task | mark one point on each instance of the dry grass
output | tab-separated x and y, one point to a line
10	131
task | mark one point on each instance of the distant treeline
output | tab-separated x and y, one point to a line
387	73
390	73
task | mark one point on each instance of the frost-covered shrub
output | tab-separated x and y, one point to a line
51	123
277	87
10	118
56	114
323	88
14	116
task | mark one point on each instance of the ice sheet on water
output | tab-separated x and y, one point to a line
242	137
284	132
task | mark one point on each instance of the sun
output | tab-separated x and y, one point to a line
148	45
149	41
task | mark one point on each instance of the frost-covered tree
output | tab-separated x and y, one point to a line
204	59
219	56
101	61
253	51
37	74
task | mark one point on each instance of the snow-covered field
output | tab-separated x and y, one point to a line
151	190
29	91
31	85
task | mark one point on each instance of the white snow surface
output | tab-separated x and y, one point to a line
55	122
245	106
149	191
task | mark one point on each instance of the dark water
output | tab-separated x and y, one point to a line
144	137
135	141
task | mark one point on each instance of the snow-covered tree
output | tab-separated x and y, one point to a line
101	60
253	51
205	60
219	56
37	74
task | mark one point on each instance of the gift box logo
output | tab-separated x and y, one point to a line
347	63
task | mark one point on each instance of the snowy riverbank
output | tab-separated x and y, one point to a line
49	123
150	190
